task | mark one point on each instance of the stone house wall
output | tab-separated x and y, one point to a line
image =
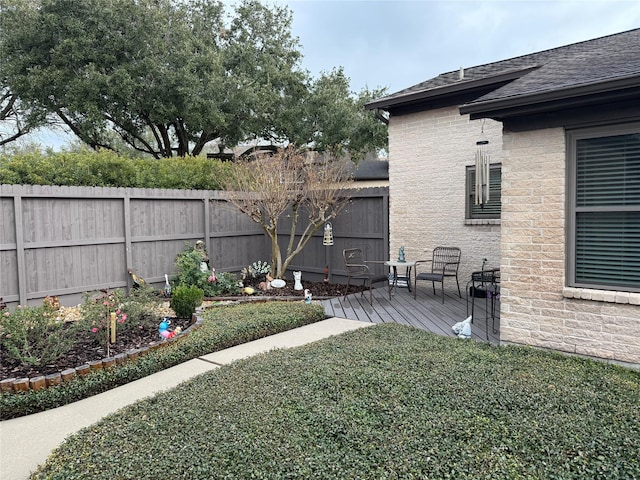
536	306
428	153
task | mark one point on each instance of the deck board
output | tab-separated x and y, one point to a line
426	311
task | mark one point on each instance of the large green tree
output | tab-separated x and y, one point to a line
17	117
171	76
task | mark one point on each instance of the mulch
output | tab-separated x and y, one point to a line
86	350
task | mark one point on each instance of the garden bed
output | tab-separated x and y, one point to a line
87	356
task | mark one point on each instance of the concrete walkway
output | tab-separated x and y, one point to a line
26	442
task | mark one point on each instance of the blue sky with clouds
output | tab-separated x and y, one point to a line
401	43
397	44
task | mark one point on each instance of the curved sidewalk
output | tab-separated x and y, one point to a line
26	442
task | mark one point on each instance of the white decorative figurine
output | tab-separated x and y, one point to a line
307	296
297	276
463	329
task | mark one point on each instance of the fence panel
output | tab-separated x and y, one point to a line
67	240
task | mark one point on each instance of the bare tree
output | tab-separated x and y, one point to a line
289	183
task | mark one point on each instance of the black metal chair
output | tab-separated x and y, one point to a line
356	267
445	262
484	284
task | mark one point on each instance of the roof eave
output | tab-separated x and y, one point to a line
545	101
447	90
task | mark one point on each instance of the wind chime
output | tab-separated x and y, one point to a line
482	173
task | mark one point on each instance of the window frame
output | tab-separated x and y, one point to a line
572	138
469	191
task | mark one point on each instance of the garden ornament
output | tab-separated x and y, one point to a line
201	248
463	329
401	255
297	276
266	285
327	239
167	286
307	296
138	282
163	329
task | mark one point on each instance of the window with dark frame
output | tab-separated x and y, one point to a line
604	208
491	209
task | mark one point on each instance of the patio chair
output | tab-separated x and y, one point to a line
444	263
484	284
356	267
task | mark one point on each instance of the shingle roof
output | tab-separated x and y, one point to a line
604	59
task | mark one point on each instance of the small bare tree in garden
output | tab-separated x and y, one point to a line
287	183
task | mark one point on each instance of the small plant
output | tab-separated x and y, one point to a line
133	312
226	283
188	269
34	335
255	273
185	300
189	273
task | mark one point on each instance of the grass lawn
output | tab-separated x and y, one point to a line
387	401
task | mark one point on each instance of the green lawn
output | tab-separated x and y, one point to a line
383	402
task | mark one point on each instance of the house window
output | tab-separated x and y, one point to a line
604	208
492	208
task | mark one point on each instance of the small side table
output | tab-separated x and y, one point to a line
396	280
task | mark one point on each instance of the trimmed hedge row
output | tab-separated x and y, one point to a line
222	327
108	169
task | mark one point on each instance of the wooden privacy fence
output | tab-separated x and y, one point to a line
65	241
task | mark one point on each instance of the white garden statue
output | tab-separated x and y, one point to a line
463	329
297	276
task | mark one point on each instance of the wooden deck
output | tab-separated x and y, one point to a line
426	312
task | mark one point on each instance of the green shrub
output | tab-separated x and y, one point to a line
226	284
185	300
188	273
109	169
255	273
34	336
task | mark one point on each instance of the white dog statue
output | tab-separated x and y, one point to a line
297	276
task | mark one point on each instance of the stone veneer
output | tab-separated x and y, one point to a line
537	308
428	152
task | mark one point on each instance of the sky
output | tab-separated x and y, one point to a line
397	44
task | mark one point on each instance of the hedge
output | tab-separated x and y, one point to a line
108	169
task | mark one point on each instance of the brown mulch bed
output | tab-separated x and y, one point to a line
86	349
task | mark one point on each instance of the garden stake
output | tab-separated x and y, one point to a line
113	327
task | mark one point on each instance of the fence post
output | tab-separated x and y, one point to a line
127	236
22	276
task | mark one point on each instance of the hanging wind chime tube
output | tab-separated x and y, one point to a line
482	172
